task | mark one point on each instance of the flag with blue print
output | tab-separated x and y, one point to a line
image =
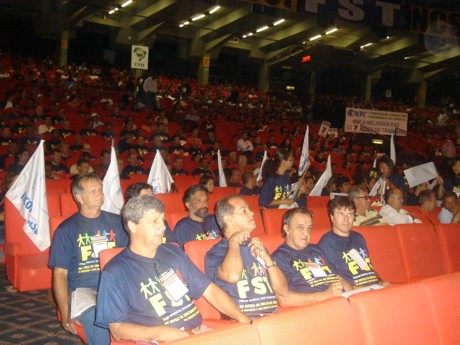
159	177
305	156
28	195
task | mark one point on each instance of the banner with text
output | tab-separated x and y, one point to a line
368	120
139	57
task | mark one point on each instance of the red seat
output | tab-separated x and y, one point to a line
396	315
26	266
449	242
172	202
68	205
273	220
174	217
182	182
272	242
317	201
325	322
321	217
107	254
218	194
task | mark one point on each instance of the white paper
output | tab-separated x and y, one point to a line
420	174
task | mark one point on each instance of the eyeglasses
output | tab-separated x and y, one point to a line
367	197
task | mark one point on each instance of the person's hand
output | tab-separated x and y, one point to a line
239	237
258	249
69	327
335	289
288	201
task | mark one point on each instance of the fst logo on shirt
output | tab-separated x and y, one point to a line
90	246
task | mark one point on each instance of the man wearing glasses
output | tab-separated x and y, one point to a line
364	215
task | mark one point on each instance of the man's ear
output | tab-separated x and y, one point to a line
79	198
286	228
131	226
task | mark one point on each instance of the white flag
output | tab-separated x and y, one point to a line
327	174
113	195
376	187
374	165
305	156
28	195
392	149
259	177
222	180
159	177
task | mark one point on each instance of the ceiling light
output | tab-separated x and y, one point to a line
181	25
126	3
201	15
214	9
406	57
331	31
314	37
279	21
263	28
366	45
113	11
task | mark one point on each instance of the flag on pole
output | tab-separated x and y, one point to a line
305	156
159	177
259	176
376	187
113	195
327	174
374	165
28	195
392	149
222	180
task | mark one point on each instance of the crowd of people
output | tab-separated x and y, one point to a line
146	292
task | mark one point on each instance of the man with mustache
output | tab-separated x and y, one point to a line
198	225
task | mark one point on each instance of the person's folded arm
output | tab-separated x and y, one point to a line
126	332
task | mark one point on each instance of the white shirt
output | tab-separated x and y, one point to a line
244	145
394	217
150	85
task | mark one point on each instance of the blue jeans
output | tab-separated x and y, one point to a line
95	335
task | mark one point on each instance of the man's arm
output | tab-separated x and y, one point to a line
125	332
61	294
222	302
277	277
232	265
300	298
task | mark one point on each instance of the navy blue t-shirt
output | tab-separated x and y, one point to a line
253	292
306	270
77	241
274	188
187	229
336	250
131	290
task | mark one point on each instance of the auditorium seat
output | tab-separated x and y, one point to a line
317	201
273	220
183	182
219	193
420	250
395	315
321	218
272	242
444	298
172	201
68	205
173	217
325	322
449	242
26	266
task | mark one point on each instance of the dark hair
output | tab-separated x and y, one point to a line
287	217
389	192
247	175
424	196
191	192
135	189
8	180
448	194
135	208
81	161
271	165
341	180
355	190
339	202
20	152
223	209
205	179
388	161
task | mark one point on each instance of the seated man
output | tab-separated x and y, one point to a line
141	188
249	184
198	225
364	215
427	202
345	250
241	265
309	277
393	212
74	252
450	212
82	168
146	291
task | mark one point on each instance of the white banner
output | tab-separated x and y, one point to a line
324	129
113	195
222	180
382	122
159	177
305	155
259	175
139	57
327	174
28	194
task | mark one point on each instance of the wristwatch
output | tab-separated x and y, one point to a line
272	265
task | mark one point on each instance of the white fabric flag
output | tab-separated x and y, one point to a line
159	177
222	180
28	195
259	176
305	156
327	174
374	165
113	195
376	187
392	149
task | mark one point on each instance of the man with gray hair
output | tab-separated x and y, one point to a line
364	215
241	265
146	292
74	256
